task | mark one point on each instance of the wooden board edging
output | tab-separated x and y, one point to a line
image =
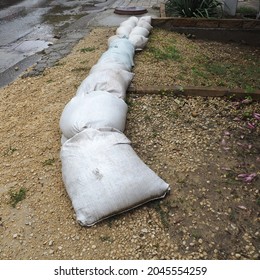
196	91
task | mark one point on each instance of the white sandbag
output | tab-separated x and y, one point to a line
115	37
139	31
103	175
114	56
145	25
138	41
63	139
134	19
107	66
129	22
96	109
115	82
123	31
123	45
146	18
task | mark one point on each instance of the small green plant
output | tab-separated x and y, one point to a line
89	49
106	238
247	11
249	89
79	69
164	214
10	151
194	8
217	68
169	52
49	161
18	196
197	72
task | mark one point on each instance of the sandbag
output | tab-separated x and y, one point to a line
63	139
123	30
129	22
115	82
123	45
104	176
138	41
115	37
145	24
114	56
107	66
96	109
146	18
139	31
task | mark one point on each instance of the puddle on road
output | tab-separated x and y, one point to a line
29	27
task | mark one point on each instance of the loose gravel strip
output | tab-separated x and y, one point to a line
198	145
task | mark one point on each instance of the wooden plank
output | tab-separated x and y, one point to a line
170	23
196	91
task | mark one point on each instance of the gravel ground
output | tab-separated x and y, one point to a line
198	145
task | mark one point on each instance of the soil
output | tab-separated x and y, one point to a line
198	145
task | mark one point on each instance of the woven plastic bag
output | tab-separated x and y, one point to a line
114	81
96	109
104	176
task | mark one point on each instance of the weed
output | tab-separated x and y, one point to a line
106	238
169	52
89	49
249	89
147	118
10	151
164	215
258	201
49	161
247	115
232	215
198	72
244	10
18	196
59	64
218	69
196	234
172	115
79	69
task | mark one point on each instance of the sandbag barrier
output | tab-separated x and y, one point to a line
102	174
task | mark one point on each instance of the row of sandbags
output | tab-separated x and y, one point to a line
101	172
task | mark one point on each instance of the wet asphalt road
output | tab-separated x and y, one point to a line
40	30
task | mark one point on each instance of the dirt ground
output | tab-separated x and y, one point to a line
200	146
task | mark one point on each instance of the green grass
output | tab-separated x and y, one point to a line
167	52
244	10
49	161
79	69
18	196
164	214
10	151
89	49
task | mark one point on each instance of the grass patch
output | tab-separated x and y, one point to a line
166	53
246	11
89	49
49	161
79	69
105	238
164	214
18	196
10	151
